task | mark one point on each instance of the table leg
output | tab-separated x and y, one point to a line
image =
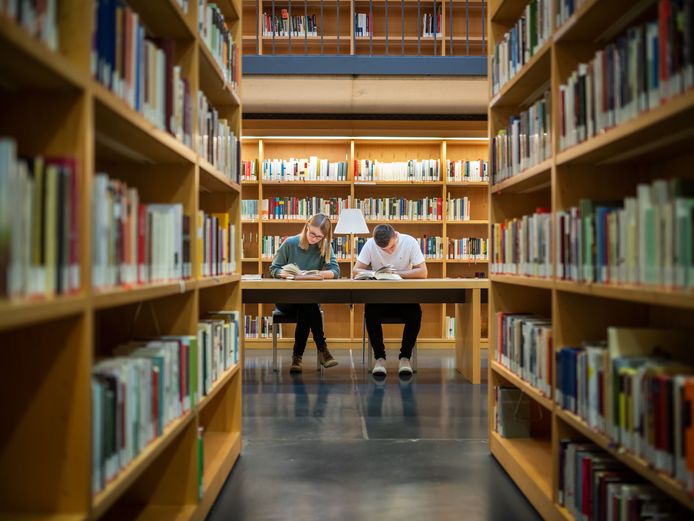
467	335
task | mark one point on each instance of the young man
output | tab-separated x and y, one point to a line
401	251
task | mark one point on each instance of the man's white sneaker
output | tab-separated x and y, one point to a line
405	366
379	367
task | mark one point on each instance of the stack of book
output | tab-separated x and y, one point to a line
425	209
431	24
38	18
363	24
311	169
282	25
650	64
432	247
260	327
645	239
218	39
249	170
134	242
216	141
467	171
522	246
270	244
457	209
249	209
302	208
366	170
39	225
468	248
216	243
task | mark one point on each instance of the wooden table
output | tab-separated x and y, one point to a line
466	294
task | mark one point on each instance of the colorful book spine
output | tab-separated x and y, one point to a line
312	168
426	170
522	246
401	208
462	171
285	208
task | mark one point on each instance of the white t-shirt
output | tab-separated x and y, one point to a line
406	254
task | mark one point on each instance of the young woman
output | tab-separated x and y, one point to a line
309	250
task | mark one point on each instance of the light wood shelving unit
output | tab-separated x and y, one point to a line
52	106
655	144
344	326
467	30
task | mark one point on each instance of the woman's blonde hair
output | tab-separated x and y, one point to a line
322	221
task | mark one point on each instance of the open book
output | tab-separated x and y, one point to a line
293	271
386	272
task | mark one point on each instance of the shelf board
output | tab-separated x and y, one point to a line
639	136
529	79
529	463
14	314
20	516
249	221
470	222
212	82
284	221
522	280
120	296
250	259
464	261
249	181
468	184
507	11
654	296
665	483
213	180
231	9
28	62
524	386
130	135
164	18
157	512
531	179
217	280
102	501
218	385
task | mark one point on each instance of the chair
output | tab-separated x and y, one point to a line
280	317
364	336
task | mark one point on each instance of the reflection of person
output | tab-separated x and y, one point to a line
401	251
309	250
301	401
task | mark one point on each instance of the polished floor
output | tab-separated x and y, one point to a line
342	446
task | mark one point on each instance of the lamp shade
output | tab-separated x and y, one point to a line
351	221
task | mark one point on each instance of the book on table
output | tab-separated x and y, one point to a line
386	272
293	271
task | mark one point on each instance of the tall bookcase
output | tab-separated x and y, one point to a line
653	144
336	33
344	325
52	106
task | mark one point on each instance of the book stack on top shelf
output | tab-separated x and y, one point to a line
432	189
120	300
591	253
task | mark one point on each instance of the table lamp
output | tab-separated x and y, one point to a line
351	222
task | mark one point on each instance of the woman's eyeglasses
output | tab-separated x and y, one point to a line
314	236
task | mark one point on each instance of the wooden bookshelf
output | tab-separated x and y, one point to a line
654	144
338	26
46	448
386	150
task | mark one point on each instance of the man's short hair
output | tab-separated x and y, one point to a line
383	233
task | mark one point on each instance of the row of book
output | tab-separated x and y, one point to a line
412	170
521	43
39	224
566	9
311	169
217	142
216	243
249	209
299	26
431	24
525	348
134	242
218	39
141	69
525	142
593	485
260	327
650	64
646	239
431	247
475	171
449	326
149	383
38	18
284	208
521	246
468	248
458	208
400	208
363	24
249	170
636	388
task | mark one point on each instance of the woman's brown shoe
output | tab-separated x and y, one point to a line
296	364
326	359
